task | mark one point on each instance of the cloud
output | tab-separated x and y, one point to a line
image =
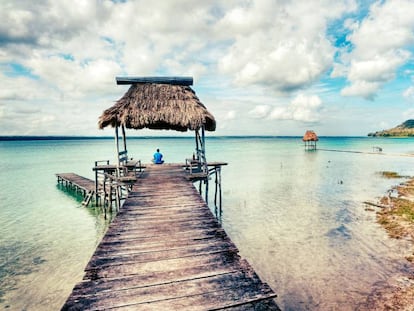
362	88
80	46
380	44
44	23
260	111
58	42
409	93
75	78
302	108
62	57
408	114
282	46
229	115
22	88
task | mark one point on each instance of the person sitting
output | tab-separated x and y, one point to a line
158	157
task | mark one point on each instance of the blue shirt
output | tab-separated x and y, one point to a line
158	158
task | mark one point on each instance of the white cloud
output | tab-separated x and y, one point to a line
409	93
283	46
22	89
76	79
408	114
301	108
229	115
380	47
362	88
278	44
260	111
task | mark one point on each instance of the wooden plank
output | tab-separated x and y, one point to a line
164	231
150	202
221	285
103	286
146	237
172	267
178	209
106	261
168	219
157	245
111	256
108	245
93	287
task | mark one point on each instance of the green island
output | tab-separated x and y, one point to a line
405	129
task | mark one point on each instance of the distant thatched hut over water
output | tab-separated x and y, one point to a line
310	138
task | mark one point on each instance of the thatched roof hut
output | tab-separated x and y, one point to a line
159	106
160	103
310	136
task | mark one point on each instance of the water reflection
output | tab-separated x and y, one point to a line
302	225
17	259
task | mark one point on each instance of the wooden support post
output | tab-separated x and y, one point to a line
104	195
203	140
220	196
124	138
203	151
110	196
215	190
196	140
117	196
96	184
206	194
117	151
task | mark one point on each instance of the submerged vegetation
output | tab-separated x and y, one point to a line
396	215
398	218
388	174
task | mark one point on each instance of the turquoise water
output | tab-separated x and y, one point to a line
296	216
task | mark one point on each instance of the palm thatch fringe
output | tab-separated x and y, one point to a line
159	106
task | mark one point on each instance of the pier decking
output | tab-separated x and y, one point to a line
79	183
76	180
165	250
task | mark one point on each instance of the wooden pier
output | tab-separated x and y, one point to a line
165	250
79	183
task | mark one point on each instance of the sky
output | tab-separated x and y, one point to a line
261	67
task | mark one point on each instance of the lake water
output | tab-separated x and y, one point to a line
296	216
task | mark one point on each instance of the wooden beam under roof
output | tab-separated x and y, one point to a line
162	80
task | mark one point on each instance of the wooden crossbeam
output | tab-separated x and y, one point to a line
161	80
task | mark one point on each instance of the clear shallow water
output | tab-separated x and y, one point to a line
296	216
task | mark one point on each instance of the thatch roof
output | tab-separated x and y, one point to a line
159	106
310	136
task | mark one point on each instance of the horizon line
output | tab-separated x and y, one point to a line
84	137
